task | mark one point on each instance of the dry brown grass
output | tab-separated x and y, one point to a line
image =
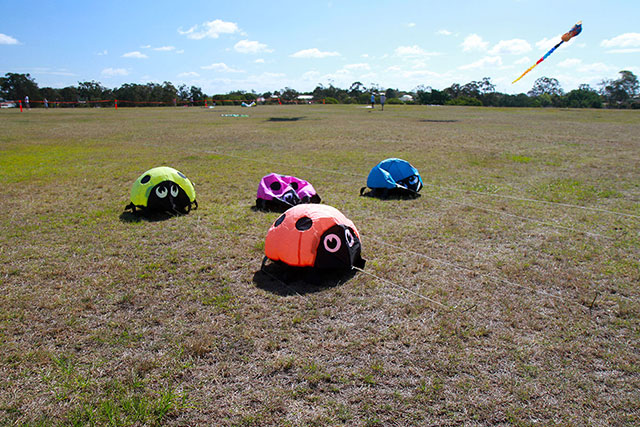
108	320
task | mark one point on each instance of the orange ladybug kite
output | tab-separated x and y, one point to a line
314	235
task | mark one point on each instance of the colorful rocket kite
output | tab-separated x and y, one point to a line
577	29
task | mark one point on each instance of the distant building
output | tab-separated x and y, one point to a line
305	98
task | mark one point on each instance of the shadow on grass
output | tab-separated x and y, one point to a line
139	217
393	194
284	280
284	119
438	121
271	208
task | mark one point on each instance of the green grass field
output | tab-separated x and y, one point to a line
507	294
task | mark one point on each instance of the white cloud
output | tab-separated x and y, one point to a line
570	63
444	32
248	46
414	51
211	29
624	41
632	50
311	76
411	24
147	46
474	42
313	53
103	53
546	44
355	67
164	48
135	54
5	39
487	60
524	60
189	74
114	72
58	72
221	67
180	51
510	47
597	67
259	61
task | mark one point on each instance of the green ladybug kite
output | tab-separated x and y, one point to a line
163	189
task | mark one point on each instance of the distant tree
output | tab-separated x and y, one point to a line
584	97
427	96
375	88
486	86
69	94
453	91
183	92
168	93
391	93
356	89
546	85
423	95
543	100
50	94
288	94
323	92
16	86
471	89
196	94
465	100
620	92
92	91
519	100
132	92
439	97
364	98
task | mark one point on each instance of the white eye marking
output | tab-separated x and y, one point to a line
332	243
174	190
162	192
349	238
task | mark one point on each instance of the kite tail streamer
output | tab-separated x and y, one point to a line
539	61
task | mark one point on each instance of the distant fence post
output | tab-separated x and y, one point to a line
116	104
20	101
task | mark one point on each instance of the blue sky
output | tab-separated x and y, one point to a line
222	46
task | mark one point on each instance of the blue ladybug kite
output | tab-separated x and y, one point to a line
393	177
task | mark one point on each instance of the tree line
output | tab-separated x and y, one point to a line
623	92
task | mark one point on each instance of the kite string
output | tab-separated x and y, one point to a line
469	270
522	199
382	279
523	218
